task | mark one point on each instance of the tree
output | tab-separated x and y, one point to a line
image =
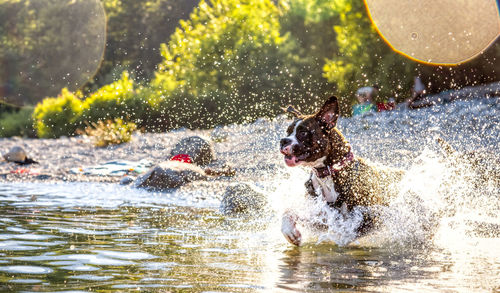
135	30
228	63
46	45
363	58
309	23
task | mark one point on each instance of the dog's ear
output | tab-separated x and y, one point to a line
329	113
292	110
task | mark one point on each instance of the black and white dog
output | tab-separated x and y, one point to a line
341	179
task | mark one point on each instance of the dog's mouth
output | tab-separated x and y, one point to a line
292	161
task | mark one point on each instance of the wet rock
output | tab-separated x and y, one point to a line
170	174
43	177
241	198
198	148
16	154
485	167
219	168
126	180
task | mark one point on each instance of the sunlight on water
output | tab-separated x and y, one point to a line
441	232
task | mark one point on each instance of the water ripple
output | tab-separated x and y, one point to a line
26	270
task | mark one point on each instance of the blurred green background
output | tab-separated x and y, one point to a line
165	64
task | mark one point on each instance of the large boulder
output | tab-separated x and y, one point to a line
241	198
170	174
198	148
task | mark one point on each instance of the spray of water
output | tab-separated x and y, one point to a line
441	196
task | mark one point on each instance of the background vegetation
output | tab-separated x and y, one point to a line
45	46
197	64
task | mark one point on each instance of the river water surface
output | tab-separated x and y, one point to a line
61	236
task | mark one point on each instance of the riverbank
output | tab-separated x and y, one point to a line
58	157
392	138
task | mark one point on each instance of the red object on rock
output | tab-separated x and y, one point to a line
185	158
386	106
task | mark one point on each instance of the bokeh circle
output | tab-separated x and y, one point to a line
46	45
444	32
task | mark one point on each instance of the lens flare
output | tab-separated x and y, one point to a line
49	45
444	32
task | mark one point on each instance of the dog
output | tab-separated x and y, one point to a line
341	179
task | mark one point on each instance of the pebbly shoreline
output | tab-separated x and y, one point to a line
393	138
56	157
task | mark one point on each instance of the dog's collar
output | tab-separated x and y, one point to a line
328	170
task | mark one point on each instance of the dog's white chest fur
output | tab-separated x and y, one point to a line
325	187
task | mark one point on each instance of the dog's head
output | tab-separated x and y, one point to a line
313	138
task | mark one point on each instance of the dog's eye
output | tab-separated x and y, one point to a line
302	134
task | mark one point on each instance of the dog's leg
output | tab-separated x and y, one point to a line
368	223
289	228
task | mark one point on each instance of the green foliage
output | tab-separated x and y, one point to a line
110	132
363	58
227	63
17	123
135	31
230	61
119	100
46	45
55	117
115	100
309	24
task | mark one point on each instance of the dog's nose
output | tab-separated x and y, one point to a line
286	146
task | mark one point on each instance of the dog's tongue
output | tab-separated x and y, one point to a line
291	161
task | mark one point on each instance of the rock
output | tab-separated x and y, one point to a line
126	180
170	174
198	148
16	154
218	168
43	177
241	198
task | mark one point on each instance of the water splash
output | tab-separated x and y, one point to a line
439	196
342	228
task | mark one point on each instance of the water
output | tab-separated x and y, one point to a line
442	233
47	245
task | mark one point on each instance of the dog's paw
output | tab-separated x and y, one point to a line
289	229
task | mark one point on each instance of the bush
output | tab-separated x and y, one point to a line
119	100
17	123
110	132
55	117
116	100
